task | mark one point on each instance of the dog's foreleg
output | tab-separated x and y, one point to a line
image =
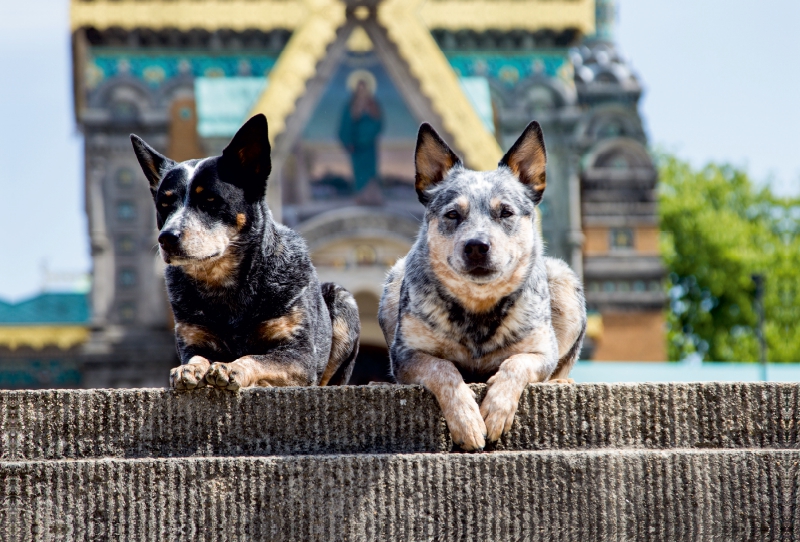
197	345
506	386
456	400
263	371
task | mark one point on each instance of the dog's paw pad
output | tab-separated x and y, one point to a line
498	409
465	423
224	376
187	377
498	420
468	434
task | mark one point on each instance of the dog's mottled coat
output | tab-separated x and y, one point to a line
249	309
475	300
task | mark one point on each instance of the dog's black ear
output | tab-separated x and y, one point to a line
245	161
154	164
527	159
433	159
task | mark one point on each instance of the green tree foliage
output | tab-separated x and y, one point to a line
719	230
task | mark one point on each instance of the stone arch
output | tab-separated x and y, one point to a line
355	223
122	87
367	301
125	98
372	364
540	99
618	75
609	122
618	169
542	94
621	154
536	97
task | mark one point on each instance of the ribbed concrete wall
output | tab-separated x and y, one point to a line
583	462
388	419
549	496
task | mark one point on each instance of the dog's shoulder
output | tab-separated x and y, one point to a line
290	254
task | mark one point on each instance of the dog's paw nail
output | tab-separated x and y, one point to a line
182	378
233	381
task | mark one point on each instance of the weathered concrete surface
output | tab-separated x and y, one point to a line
676	495
388	419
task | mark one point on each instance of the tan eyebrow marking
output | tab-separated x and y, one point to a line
168	193
198	189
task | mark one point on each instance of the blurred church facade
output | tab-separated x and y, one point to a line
344	85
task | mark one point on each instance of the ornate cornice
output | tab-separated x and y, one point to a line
188	14
351	222
478	15
532	15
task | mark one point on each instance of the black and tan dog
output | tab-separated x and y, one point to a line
249	309
475	300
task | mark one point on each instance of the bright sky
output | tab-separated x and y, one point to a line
720	77
721	81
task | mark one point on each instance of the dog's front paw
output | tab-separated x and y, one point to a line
189	376
225	376
464	420
500	405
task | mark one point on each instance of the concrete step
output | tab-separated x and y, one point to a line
654	495
37	425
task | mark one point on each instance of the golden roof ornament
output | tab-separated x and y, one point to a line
316	25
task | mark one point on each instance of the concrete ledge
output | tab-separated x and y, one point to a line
549	496
388	419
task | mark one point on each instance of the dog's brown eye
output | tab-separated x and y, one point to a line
505	213
452	215
165	204
209	199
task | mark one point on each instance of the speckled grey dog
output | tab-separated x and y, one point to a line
475	300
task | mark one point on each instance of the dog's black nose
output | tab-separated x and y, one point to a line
476	250
169	240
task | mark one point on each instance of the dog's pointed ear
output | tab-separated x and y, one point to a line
433	159
153	163
527	159
246	161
